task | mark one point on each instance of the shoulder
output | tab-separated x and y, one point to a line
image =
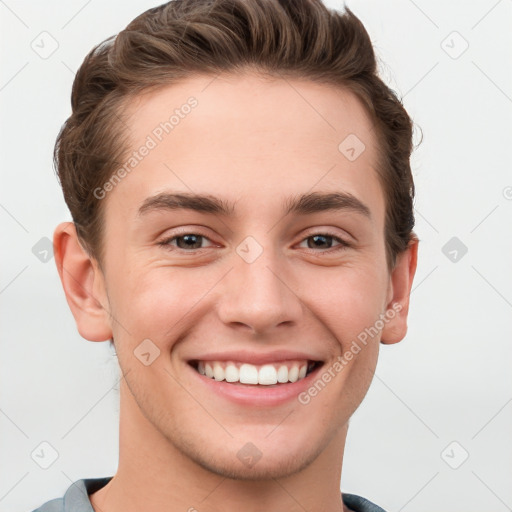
56	505
360	504
76	498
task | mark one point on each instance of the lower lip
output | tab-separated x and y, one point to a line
257	395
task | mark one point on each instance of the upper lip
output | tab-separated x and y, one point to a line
244	356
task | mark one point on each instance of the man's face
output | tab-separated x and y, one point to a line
255	284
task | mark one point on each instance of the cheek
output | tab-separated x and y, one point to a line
347	304
346	300
157	302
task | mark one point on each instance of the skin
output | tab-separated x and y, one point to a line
253	142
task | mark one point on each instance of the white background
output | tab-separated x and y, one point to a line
449	380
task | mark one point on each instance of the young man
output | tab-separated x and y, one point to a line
242	199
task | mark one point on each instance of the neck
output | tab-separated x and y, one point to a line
155	476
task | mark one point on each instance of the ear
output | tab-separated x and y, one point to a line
83	284
400	285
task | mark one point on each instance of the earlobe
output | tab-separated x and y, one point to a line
402	277
83	284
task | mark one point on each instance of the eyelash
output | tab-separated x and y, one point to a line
342	244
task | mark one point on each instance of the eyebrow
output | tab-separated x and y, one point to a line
313	202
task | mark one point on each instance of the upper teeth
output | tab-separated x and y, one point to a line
245	373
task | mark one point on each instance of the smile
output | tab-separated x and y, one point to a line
265	375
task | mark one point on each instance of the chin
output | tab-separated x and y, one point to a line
265	468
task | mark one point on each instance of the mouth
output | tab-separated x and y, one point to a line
238	373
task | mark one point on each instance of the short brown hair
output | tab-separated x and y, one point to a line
280	38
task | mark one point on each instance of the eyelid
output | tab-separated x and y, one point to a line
339	233
165	241
342	242
169	242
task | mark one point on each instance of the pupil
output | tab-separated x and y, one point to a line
319	239
190	241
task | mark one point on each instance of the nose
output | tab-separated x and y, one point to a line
259	296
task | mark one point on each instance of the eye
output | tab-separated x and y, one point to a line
194	241
325	241
187	241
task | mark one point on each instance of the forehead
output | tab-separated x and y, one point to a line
251	138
